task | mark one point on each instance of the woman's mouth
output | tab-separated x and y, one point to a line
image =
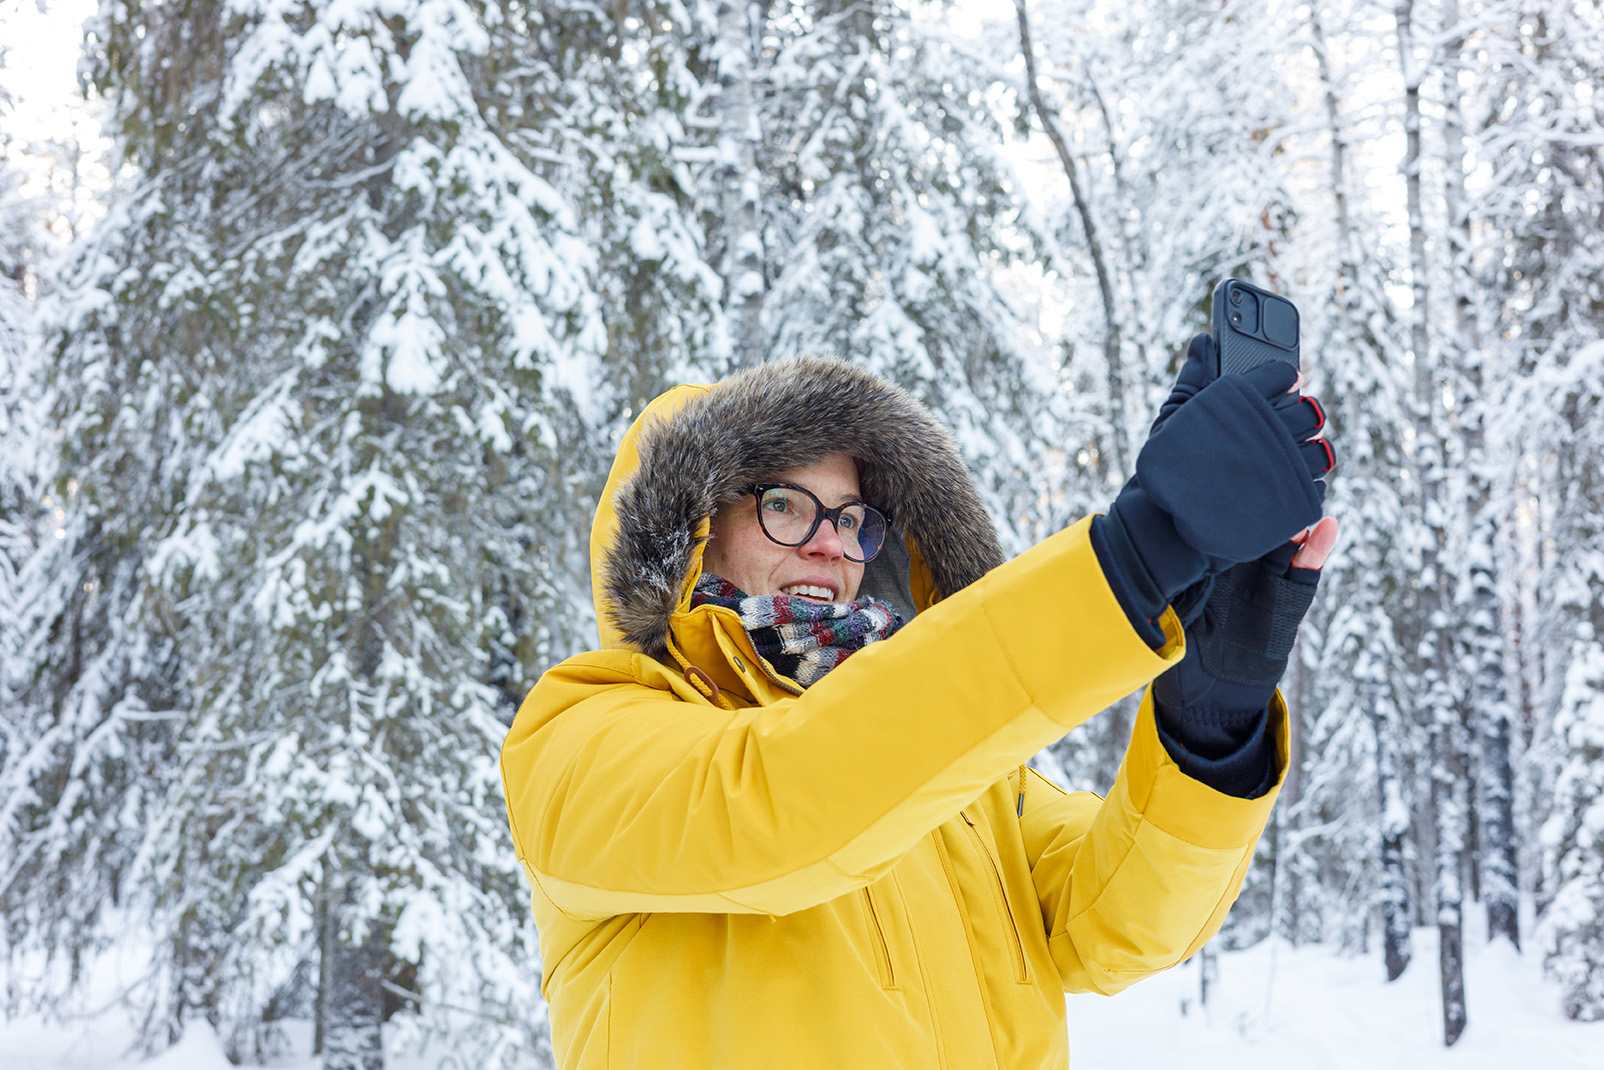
810	591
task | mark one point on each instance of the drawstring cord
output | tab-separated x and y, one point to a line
694	673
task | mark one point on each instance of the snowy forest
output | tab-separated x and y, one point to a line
313	361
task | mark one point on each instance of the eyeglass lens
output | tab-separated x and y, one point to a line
790	516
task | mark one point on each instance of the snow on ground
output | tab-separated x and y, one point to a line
1306	1008
1273	1006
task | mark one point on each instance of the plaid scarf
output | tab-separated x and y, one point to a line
801	639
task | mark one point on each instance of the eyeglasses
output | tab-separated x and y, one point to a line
789	515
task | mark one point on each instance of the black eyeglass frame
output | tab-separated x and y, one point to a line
821	513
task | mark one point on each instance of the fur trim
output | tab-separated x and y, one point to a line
766	419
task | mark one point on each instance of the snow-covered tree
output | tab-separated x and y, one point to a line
1573	838
835	167
326	352
41	612
1539	201
1571	930
888	213
632	111
19	438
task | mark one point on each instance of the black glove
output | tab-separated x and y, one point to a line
1236	469
1197	371
1231	471
1212	706
1237	649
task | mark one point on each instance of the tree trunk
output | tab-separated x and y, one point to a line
1208	975
1394	884
1286	878
1433	648
1112	344
325	964
1489	714
1419	331
1499	866
354	1004
1348	247
1449	813
741	264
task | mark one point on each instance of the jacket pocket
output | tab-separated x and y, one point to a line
1000	897
877	938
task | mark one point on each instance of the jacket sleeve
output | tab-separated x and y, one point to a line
1137	882
623	798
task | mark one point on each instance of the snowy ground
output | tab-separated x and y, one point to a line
1273	1007
1310	1010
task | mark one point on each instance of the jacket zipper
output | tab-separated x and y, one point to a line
1000	896
786	684
877	937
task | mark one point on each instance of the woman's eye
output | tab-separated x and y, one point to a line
777	505
848	522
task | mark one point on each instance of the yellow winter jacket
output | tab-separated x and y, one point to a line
862	874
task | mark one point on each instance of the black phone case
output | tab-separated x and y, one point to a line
1247	345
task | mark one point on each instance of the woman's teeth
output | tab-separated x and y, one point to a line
807	590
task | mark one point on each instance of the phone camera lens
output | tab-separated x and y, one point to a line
1236	318
1236	299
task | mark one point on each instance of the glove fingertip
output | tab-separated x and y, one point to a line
1319	410
1319	456
1200	362
1309	577
1272	378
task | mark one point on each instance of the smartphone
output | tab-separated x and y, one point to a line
1251	327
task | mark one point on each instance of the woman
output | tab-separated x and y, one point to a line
781	818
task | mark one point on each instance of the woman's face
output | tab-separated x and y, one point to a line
817	570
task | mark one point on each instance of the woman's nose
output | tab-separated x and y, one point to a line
826	541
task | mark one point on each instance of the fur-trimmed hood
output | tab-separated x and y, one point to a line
695	449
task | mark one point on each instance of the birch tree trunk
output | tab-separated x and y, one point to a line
740	191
